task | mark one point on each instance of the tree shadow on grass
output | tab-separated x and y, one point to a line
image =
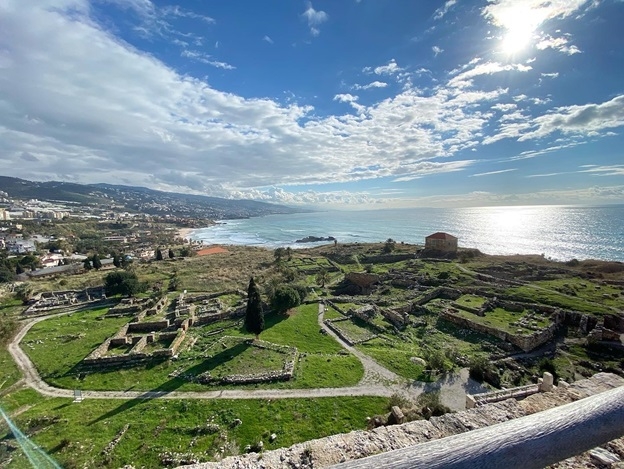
174	383
271	319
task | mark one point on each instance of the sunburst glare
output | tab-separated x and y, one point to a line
520	26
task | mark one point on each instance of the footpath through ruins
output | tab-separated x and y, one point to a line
377	380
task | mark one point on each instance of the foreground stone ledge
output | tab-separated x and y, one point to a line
324	452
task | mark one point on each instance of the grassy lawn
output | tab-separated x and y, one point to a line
395	357
9	373
300	329
56	345
230	356
472	301
587	290
76	434
554	298
331	313
356	329
501	319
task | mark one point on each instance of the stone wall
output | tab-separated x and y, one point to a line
335	449
440	292
148	326
526	342
285	374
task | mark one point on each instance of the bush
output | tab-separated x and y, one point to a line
284	298
123	283
547	364
481	369
429	405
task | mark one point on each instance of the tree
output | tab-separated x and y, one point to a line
6	274
19	269
254	319
97	263
159	256
389	246
279	254
322	277
171	254
289	253
124	283
285	298
116	260
125	261
87	264
24	292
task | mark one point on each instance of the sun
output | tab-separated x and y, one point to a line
520	30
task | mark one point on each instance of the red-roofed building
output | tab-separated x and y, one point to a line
441	242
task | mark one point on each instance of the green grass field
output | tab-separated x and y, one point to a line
58	345
76	434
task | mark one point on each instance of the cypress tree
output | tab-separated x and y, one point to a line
254	320
159	256
97	263
171	254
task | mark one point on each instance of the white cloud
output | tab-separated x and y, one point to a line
437	50
374	84
550	75
443	10
505	107
267	39
427	168
390	68
507	13
609	170
178	11
489	173
588	119
464	79
78	103
314	18
205	58
560	44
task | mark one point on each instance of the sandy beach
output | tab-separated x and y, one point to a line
185	232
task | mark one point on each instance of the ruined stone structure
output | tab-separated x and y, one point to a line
48	301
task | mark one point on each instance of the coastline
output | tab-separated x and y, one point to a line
184	233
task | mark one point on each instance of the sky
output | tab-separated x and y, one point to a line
335	104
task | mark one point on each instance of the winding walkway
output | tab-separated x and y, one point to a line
377	380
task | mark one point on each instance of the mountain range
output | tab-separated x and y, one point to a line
140	199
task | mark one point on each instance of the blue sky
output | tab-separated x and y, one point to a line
347	104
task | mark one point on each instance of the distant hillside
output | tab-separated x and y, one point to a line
140	199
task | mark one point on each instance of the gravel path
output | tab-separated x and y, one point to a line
377	381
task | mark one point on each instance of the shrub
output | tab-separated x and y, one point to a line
284	298
429	405
123	283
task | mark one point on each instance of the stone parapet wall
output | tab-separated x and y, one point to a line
331	450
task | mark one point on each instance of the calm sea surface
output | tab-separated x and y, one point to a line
559	232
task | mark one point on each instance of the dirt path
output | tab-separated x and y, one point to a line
374	373
377	381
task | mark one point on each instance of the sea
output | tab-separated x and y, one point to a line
558	232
